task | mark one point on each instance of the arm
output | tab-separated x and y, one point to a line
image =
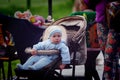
37	47
65	56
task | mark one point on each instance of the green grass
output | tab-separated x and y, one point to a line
60	8
13	66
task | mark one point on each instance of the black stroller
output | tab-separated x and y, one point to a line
25	35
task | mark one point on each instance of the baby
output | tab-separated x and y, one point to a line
54	42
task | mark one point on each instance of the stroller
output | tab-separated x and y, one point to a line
27	35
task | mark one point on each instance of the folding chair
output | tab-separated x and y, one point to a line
7	52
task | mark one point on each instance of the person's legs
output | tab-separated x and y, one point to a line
90	66
88	75
95	74
41	63
32	60
111	57
102	32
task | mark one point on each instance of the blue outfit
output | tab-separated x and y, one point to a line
38	61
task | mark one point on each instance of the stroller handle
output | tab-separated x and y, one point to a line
43	52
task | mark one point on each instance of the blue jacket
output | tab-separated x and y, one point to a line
62	47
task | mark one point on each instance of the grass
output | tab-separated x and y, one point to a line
60	8
13	67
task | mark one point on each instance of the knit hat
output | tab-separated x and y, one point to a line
53	30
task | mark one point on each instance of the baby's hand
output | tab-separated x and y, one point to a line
62	66
33	52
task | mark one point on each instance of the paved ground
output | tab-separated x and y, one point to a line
79	71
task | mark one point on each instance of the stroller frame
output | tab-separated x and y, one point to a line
78	26
33	36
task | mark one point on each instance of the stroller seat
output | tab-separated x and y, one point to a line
48	71
76	40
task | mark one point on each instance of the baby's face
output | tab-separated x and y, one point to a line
55	38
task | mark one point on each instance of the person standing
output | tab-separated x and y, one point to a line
108	40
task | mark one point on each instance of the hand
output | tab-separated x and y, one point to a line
62	66
33	52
